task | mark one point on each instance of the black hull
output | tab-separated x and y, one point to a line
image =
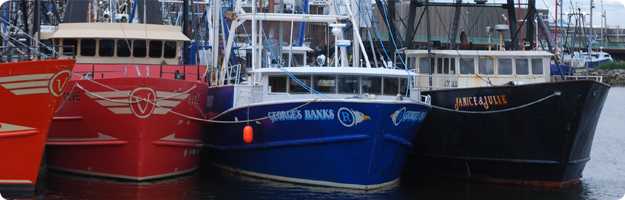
543	144
12	191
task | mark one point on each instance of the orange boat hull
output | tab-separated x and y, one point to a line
29	94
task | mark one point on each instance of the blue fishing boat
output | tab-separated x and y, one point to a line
338	123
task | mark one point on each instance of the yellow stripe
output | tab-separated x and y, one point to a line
125	110
107	103
113	94
167	103
30	91
171	95
28	77
16	181
28	84
161	111
12	127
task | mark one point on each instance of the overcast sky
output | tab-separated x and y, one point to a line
614	9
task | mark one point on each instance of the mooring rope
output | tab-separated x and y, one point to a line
187	91
138	99
236	121
556	93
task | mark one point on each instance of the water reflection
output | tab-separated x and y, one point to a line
227	185
66	186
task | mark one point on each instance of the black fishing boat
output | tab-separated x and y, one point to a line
539	133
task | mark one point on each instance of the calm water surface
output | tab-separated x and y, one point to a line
604	178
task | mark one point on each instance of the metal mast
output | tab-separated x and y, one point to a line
454	25
530	24
513	27
591	33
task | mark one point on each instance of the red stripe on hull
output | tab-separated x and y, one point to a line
28	99
130	130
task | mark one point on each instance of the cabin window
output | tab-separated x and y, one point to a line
412	62
467	66
372	85
277	83
170	49
156	49
349	84
325	84
403	86
391	86
486	66
87	47
522	67
505	66
425	65
107	48
452	66
537	66
296	88
445	66
439	65
69	47
139	49
123	48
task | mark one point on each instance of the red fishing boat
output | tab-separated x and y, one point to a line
29	94
131	113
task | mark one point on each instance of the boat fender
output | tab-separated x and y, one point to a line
248	134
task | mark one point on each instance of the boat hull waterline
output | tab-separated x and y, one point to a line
545	144
130	132
30	92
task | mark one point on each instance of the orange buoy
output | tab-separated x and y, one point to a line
248	134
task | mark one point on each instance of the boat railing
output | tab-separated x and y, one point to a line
18	45
23	53
233	74
582	77
427	99
174	72
435	81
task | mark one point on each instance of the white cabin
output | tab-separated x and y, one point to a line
439	69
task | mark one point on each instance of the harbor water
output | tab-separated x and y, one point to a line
604	178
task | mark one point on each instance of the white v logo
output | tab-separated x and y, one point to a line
146	101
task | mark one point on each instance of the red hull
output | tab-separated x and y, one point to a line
109	128
29	95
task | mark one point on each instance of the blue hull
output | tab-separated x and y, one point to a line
350	144
595	64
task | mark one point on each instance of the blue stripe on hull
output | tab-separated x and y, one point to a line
343	143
